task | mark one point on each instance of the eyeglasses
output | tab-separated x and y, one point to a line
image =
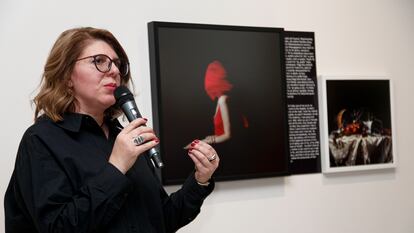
103	64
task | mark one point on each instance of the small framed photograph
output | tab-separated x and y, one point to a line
357	130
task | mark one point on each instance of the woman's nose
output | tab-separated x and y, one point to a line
114	70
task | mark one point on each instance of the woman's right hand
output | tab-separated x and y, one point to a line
125	152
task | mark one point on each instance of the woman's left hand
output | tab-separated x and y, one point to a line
205	158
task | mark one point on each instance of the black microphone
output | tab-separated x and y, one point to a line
125	100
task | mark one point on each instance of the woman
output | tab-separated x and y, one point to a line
217	87
77	170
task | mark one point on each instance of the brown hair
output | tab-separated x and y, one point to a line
55	96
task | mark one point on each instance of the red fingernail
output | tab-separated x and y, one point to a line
193	144
157	141
145	119
196	141
189	150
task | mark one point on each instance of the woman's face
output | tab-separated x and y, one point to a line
93	89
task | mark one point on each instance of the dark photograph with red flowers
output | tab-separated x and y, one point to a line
222	85
359	133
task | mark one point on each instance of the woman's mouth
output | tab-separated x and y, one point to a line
111	86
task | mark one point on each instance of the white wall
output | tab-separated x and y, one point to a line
352	37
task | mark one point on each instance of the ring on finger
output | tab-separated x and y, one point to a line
212	158
138	140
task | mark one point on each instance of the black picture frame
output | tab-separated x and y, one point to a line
253	60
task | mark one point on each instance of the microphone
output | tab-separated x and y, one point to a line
125	100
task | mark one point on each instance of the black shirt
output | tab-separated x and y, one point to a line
63	182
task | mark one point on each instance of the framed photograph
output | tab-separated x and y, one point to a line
224	85
357	129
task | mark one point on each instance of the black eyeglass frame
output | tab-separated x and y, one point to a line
118	63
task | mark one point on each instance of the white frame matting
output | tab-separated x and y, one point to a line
366	138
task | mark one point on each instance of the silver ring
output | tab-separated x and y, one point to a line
138	140
212	158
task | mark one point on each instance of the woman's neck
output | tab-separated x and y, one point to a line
97	115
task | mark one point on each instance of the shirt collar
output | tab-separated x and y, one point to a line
72	121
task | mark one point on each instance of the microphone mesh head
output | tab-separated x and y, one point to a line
122	95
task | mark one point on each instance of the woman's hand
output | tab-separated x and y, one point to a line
188	146
126	151
211	139
205	159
